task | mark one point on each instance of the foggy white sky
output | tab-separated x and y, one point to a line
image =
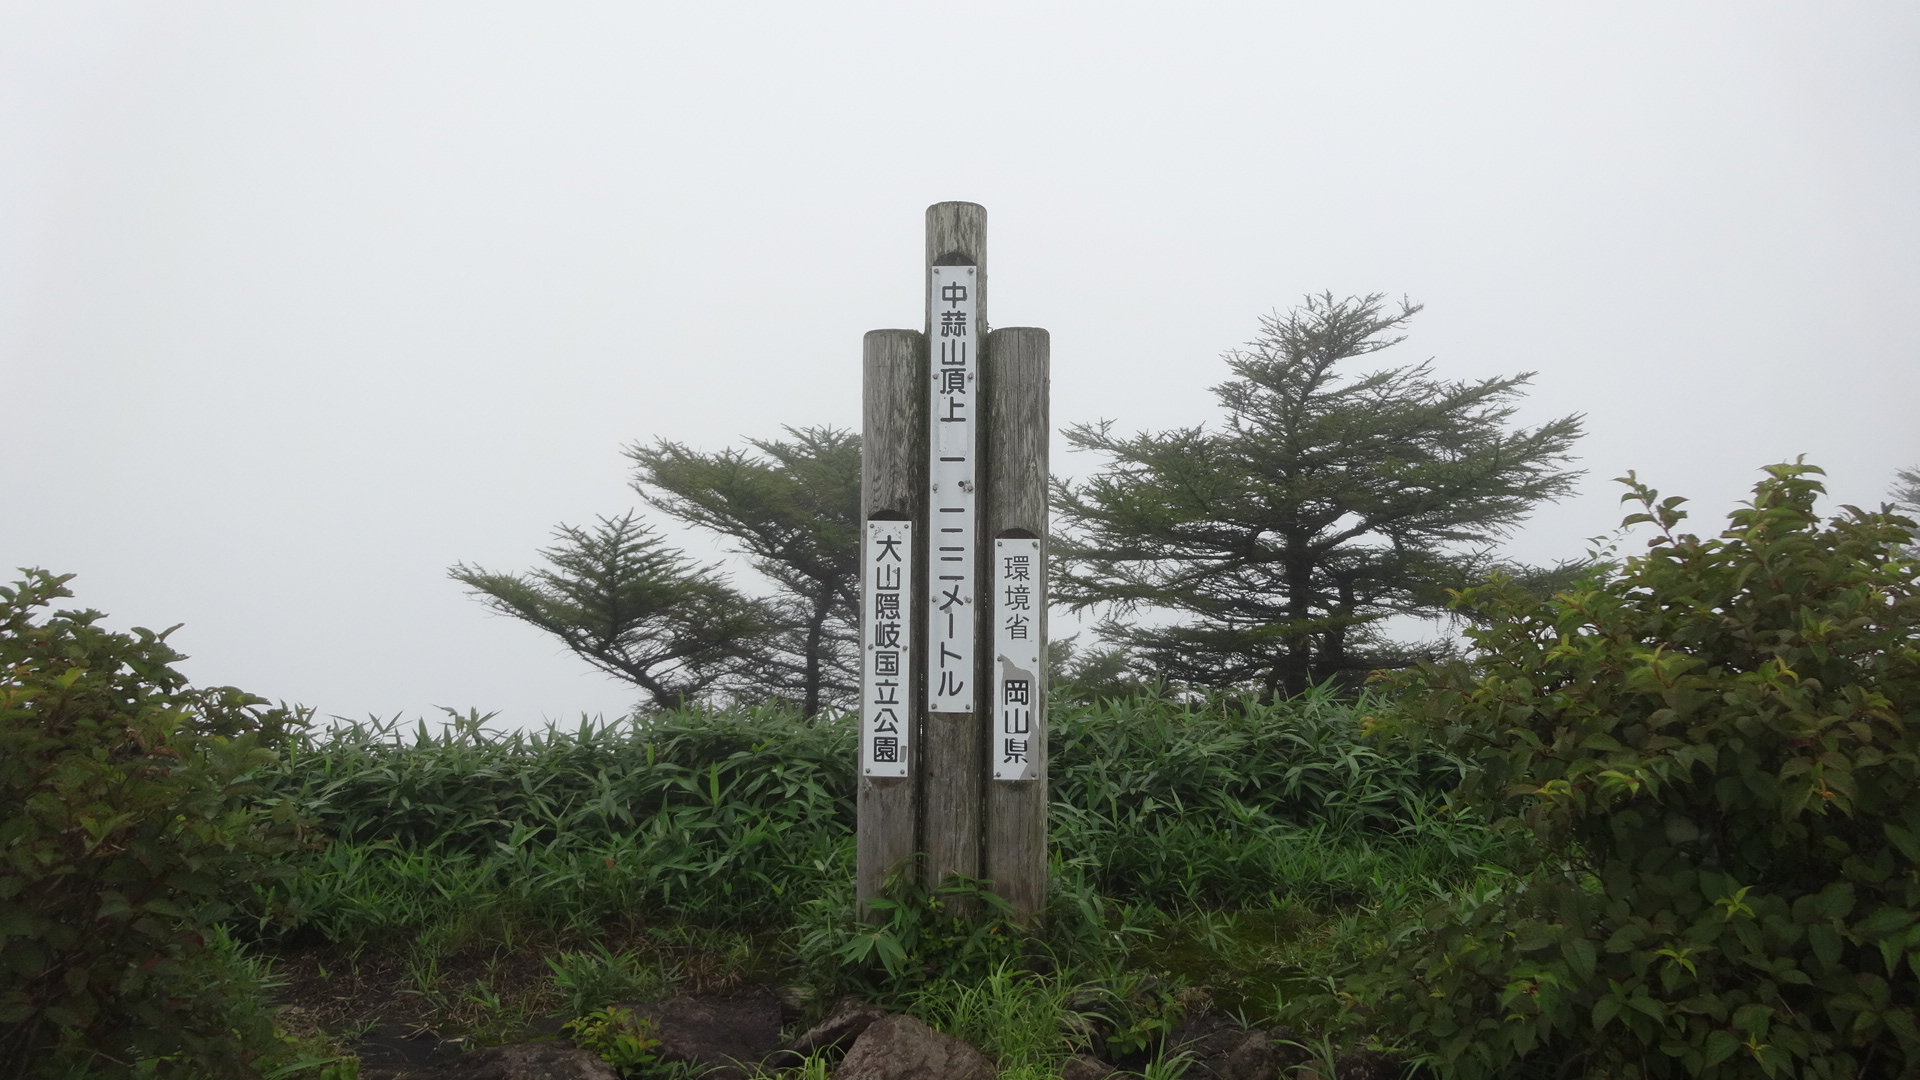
301	304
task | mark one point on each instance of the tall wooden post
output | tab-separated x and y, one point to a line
953	760
954	756
1015	508
893	487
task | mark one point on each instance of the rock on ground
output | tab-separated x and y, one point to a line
849	1017
903	1048
397	1049
1223	1050
1262	1055
727	1035
1209	1038
518	1061
1085	1067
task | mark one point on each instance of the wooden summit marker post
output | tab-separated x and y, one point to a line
953	587
893	502
955	731
1014	668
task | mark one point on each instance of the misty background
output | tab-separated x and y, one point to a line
302	304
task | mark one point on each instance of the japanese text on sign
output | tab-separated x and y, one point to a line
886	597
1017	596
952	452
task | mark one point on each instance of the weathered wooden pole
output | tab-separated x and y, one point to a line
954	755
953	721
893	494
1014	630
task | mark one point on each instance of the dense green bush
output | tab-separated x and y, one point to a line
1714	752
129	821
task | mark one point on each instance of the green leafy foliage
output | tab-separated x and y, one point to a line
749	816
1323	504
958	931
625	602
1211	801
623	850
132	824
1089	675
599	976
793	506
1906	489
712	816
1010	1014
1131	1015
621	1039
1712	756
466	787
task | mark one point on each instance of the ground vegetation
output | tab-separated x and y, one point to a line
134	829
1654	824
1222	852
1708	759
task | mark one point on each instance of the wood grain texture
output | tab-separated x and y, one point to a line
893	486
955	763
956	743
957	236
1015	397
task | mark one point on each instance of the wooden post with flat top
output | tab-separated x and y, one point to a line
954	758
1015	509
893	488
953	720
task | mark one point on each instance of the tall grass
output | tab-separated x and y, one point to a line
746	817
1010	1015
1215	803
716	816
468	788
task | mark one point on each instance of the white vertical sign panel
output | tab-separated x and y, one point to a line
1017	598
953	453
886	680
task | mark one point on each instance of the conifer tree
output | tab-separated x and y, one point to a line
625	602
1326	501
793	507
1906	489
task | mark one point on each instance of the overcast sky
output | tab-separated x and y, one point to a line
302	303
